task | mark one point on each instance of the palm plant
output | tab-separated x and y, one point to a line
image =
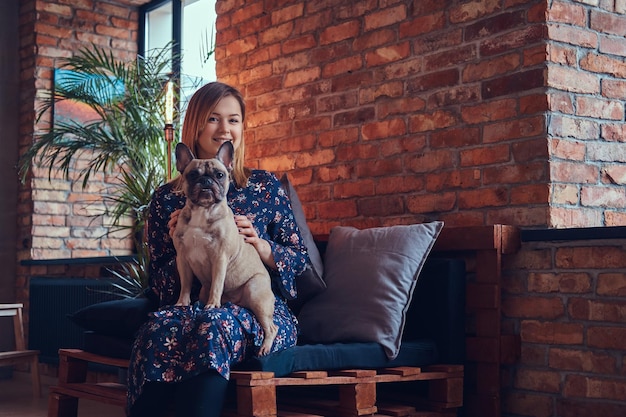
125	137
131	277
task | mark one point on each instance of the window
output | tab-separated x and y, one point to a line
198	39
158	23
190	25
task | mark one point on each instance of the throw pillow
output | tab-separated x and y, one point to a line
117	318
370	276
310	282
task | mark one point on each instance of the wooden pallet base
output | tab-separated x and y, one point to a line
347	393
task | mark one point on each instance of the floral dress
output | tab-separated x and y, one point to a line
177	343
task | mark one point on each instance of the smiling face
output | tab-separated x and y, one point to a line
225	124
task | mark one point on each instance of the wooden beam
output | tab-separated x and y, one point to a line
471	238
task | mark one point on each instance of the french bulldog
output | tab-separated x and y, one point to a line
209	246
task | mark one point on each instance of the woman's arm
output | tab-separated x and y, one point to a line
277	237
162	270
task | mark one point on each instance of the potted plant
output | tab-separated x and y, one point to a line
126	136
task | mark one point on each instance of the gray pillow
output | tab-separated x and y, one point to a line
370	275
310	282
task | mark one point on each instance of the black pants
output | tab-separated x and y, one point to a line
200	396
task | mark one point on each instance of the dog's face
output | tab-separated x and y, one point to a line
205	181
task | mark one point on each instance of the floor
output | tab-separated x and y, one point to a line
16	400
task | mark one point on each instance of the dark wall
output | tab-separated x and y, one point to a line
9	107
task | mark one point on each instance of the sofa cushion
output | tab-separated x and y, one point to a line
117	318
370	276
310	282
367	355
434	332
105	345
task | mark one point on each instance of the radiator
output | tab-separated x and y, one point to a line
51	300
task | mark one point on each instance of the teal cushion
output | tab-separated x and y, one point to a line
335	356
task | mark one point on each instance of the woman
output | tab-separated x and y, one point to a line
186	353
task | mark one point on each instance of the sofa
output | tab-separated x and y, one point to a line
474	386
424	313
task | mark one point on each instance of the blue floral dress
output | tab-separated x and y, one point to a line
177	343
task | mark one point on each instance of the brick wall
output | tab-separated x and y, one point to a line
473	112
489	111
567	301
55	216
399	112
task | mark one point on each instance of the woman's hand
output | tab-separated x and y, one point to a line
171	224
262	246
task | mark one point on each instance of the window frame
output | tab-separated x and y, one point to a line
176	36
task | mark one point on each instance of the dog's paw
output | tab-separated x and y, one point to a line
213	304
268	340
266	348
182	302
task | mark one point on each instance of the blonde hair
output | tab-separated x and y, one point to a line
199	110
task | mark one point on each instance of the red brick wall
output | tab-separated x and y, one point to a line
490	111
399	112
474	113
567	301
55	216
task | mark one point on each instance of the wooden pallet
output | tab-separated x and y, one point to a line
356	392
256	392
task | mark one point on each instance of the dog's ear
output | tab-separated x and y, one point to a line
225	155
183	156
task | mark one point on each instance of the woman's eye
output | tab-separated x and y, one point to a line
213	119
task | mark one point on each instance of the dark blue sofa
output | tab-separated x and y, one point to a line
434	331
